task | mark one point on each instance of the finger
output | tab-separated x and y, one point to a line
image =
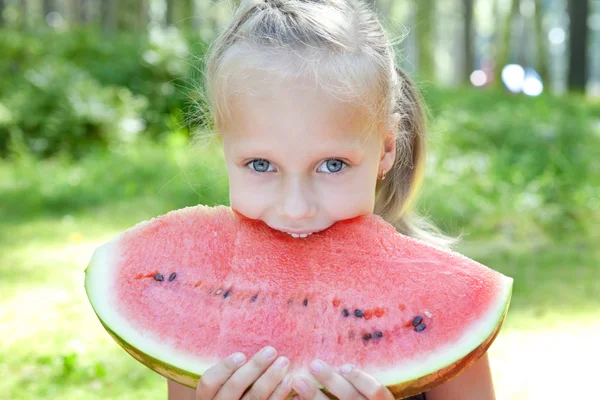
334	382
214	377
307	390
266	384
245	376
283	390
365	383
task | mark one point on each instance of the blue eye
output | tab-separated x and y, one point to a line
332	166
261	165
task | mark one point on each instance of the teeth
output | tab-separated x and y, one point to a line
301	235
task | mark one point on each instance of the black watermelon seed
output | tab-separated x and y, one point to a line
345	313
159	277
420	327
305	302
378	334
359	313
367	336
417	320
226	294
172	277
253	299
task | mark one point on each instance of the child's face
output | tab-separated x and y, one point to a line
300	160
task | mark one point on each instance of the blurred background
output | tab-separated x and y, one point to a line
99	100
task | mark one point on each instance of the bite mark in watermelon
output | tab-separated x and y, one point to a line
185	290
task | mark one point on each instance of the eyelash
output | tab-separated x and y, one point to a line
251	162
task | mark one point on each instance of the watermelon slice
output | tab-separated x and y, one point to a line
184	290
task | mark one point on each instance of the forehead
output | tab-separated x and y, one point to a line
294	108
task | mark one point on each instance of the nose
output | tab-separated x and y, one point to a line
297	201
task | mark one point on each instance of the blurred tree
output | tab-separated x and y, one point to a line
49	6
541	41
578	34
186	14
181	14
108	16
503	40
24	14
81	11
170	11
467	66
143	16
2	13
128	15
425	13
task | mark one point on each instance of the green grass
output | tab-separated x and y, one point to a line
54	213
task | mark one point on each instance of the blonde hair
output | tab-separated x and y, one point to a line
341	46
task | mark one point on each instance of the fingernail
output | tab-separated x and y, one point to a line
239	358
346	368
281	363
268	352
316	366
300	386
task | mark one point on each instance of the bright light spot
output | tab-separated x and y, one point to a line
532	85
478	78
557	35
132	126
54	19
513	76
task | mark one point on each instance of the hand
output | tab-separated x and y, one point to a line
231	378
349	384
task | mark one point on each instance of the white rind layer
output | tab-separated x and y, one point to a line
101	271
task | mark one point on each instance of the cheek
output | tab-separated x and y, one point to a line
351	199
244	199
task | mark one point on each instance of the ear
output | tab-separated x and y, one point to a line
388	151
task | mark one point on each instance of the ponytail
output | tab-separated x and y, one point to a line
394	196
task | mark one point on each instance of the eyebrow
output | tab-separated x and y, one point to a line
355	155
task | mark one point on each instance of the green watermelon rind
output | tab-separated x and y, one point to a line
186	369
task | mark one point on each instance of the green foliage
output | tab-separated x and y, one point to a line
512	165
170	174
46	115
74	89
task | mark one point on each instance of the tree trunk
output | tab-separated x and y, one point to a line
2	13
24	14
467	40
578	34
170	12
143	15
83	15
48	7
108	16
541	42
503	41
425	14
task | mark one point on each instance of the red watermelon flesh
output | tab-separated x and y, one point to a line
349	294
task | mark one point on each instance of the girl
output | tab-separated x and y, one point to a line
318	126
